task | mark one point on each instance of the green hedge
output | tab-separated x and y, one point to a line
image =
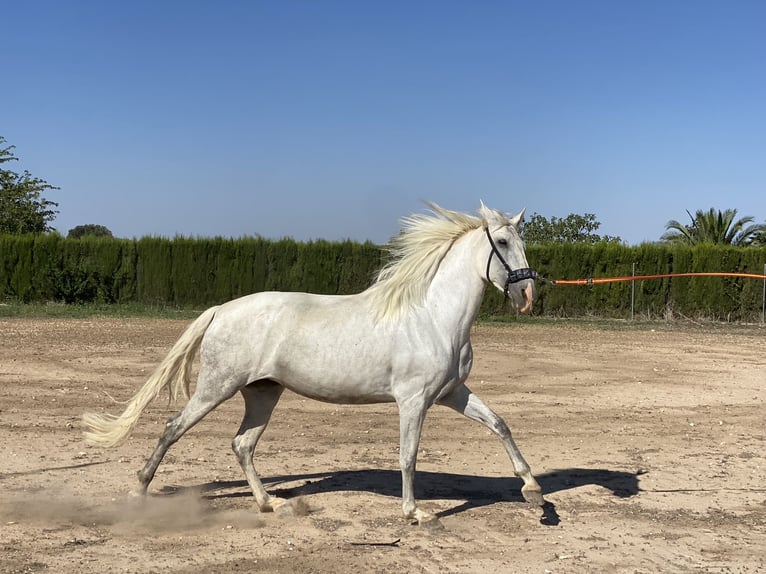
185	272
179	272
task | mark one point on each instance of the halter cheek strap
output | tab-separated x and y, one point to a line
514	276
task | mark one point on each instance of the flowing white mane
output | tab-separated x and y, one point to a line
414	257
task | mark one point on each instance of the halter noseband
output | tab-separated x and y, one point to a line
514	276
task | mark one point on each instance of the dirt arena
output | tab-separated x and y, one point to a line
648	442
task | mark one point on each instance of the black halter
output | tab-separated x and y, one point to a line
514	276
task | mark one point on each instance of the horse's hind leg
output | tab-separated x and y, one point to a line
199	405
467	403
260	399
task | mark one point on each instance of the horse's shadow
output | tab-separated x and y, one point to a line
472	491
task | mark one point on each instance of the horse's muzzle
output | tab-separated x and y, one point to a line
528	293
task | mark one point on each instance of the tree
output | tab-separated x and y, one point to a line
717	227
23	209
89	229
573	228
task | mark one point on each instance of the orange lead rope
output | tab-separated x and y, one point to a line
599	280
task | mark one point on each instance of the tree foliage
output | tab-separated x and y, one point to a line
716	227
89	229
23	209
574	228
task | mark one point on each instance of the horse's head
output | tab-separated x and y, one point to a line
507	266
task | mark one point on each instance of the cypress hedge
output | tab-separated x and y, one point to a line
199	272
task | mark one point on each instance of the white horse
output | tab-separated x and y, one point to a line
406	339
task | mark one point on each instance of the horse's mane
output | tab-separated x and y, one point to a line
414	257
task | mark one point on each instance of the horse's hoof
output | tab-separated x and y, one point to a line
137	495
533	495
432	524
275	504
428	521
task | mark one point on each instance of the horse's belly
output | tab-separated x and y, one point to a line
340	388
337	363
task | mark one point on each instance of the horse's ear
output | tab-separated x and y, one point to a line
517	219
487	215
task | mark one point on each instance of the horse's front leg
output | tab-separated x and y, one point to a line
412	414
468	404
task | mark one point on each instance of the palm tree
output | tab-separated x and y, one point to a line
715	226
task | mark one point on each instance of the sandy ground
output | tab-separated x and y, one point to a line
648	443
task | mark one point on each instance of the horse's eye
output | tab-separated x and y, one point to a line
502	241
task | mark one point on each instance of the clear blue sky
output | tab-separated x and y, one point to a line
332	119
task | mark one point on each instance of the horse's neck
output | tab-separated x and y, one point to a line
457	289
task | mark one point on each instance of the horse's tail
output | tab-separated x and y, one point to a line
174	372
